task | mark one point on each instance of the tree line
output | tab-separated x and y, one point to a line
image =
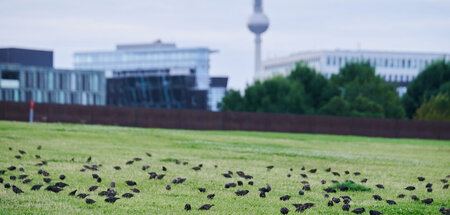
355	91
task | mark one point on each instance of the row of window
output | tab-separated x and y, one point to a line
59	97
141	65
141	56
61	81
389	78
379	62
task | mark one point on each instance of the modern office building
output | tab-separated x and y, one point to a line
397	67
155	63
29	75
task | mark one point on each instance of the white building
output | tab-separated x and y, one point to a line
398	67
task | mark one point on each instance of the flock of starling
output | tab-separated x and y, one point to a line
332	199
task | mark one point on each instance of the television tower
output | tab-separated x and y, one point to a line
258	23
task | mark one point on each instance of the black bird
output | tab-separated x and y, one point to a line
262	194
111	199
427	201
22	152
336	174
11	168
62	177
160	176
374	212
90	201
430	190
7	185
429	185
401	196
206	207
240	183
323	182
284	210
444	181
89	159
61	184
185	163
285	197
187	207
73	193
137	159
130	183
145	167
343	188
202	190
129	162
330	203
313	170
358	210
16	190
346	207
356	173
82	195
303	168
99	180
226	175
127	195
26	181
328	170
46	174
2	172
103	193
36	187
148	154
347	172
135	190
336	200
241	192
301	192
391	202
12	177
17	156
39	147
346	197
168	187
251	183
93	188
421	178
380	186
410	188
164	168
364	180
325	195
269	167
304	175
415	198
117	168
329	190
22	176
10	149
54	189
377	197
196	168
210	196
47	180
95	176
112	184
37	156
265	189
334	181
445	187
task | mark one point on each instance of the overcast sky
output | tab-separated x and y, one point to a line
67	26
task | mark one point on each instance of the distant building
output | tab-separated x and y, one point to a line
397	67
156	63
29	75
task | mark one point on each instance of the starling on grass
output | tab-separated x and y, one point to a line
145	167
226	175
410	188
206	207
82	195
73	193
196	168
168	187
269	167
11	168
148	154
62	177
26	181
90	201
304	175
93	188
415	198
37	156
430	190
358	210
401	196
127	195
135	190
202	190
89	159
46	174
210	196
16	190
330	203
99	180
328	170
129	162
380	186
61	184
374	212
421	178
17	156
346	207
377	197
251	183
22	152
346	172
284	210
117	168
336	174
47	180
329	190
301	192
325	195
160	176
12	177
429	185
130	183
240	183
54	189
427	201
7	185
111	199
164	168
445	187
364	180
356	173
39	147
323	182
336	200
36	187
313	170
285	197
242	192
112	184
262	194
187	207
22	176
391	202
303	168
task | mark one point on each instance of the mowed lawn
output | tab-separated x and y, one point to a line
394	163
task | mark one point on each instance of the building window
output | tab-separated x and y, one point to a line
73	82
61	97
61	81
50	81
403	63
38	96
409	63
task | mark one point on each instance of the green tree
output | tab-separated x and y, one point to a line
427	84
233	101
437	108
366	93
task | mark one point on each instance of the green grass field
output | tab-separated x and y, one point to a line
395	163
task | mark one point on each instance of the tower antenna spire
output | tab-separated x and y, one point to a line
258	23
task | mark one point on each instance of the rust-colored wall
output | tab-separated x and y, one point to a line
205	120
